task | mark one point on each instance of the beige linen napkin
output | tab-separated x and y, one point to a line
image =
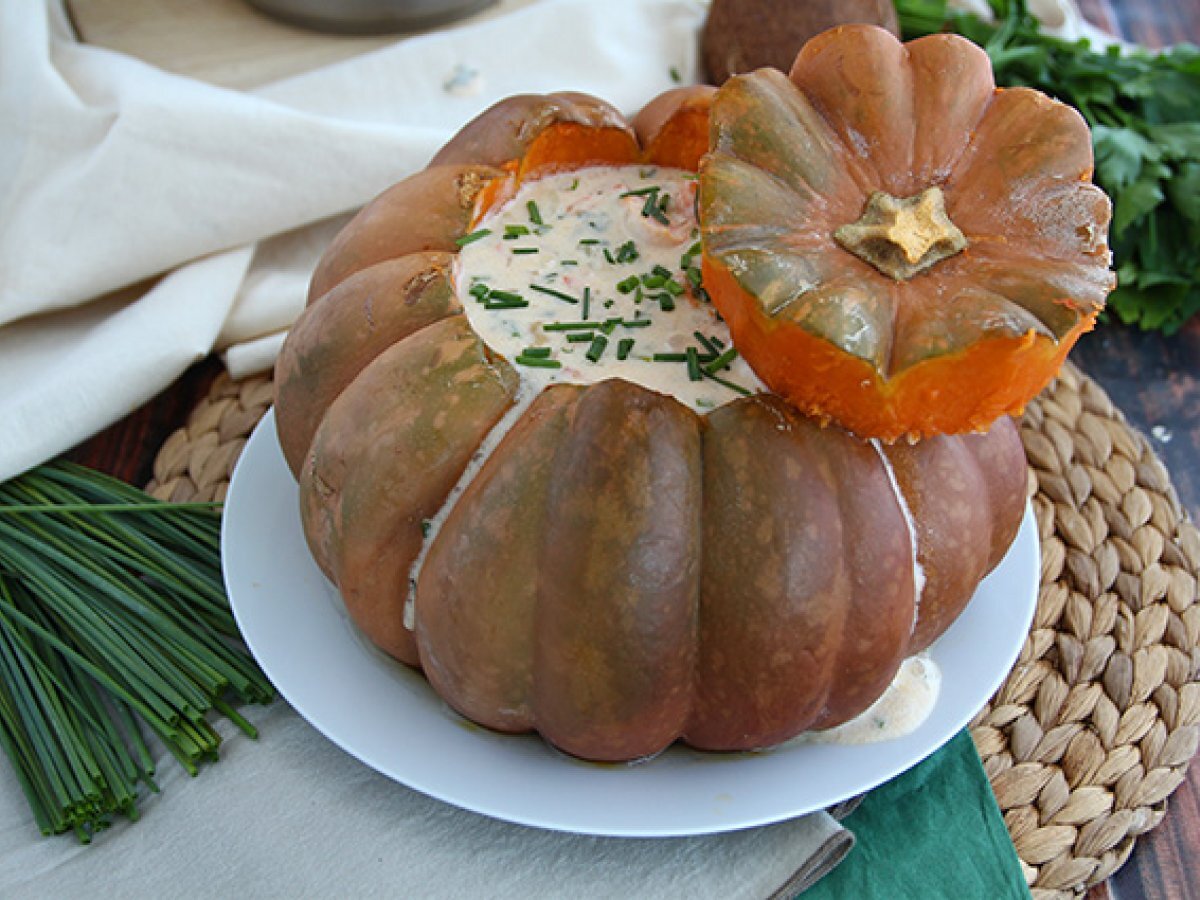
291	815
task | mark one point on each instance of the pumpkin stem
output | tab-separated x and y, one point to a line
903	237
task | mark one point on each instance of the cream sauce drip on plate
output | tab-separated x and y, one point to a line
899	711
595	274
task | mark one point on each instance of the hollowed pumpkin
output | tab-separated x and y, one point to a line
896	244
619	572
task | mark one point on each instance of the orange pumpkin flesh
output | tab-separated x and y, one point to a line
830	384
662	578
964	340
678	137
673	127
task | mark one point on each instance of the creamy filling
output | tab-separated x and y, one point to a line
911	524
526	394
595	274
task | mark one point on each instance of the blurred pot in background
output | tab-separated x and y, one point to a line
369	16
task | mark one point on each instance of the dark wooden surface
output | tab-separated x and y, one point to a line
1154	379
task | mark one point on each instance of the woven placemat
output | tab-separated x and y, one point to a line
1097	722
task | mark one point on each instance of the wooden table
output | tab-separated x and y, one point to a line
1155	380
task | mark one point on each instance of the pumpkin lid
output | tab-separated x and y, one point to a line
895	243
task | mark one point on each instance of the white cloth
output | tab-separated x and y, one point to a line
113	172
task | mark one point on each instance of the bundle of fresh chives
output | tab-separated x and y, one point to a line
113	618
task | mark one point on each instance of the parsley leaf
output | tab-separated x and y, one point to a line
1120	153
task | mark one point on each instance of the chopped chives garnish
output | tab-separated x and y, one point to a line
650	207
570	326
661	271
669	357
627	252
643	192
673	287
627	285
599	343
706	341
609	325
609	258
693	365
492	306
580	337
635	323
729	384
693	275
653	281
541	289
673	72
536	351
512	232
535	215
718	343
659	212
479	290
506	296
589	240
587	300
721	362
569	262
574	185
624	345
524	251
537	362
665	301
472	237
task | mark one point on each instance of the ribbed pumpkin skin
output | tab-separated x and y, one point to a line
974	336
620	573
623	573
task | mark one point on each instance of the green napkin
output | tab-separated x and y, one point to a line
934	831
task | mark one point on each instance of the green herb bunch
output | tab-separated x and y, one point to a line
113	619
1144	111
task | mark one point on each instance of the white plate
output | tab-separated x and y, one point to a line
388	717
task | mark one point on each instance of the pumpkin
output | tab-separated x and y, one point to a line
895	243
601	563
